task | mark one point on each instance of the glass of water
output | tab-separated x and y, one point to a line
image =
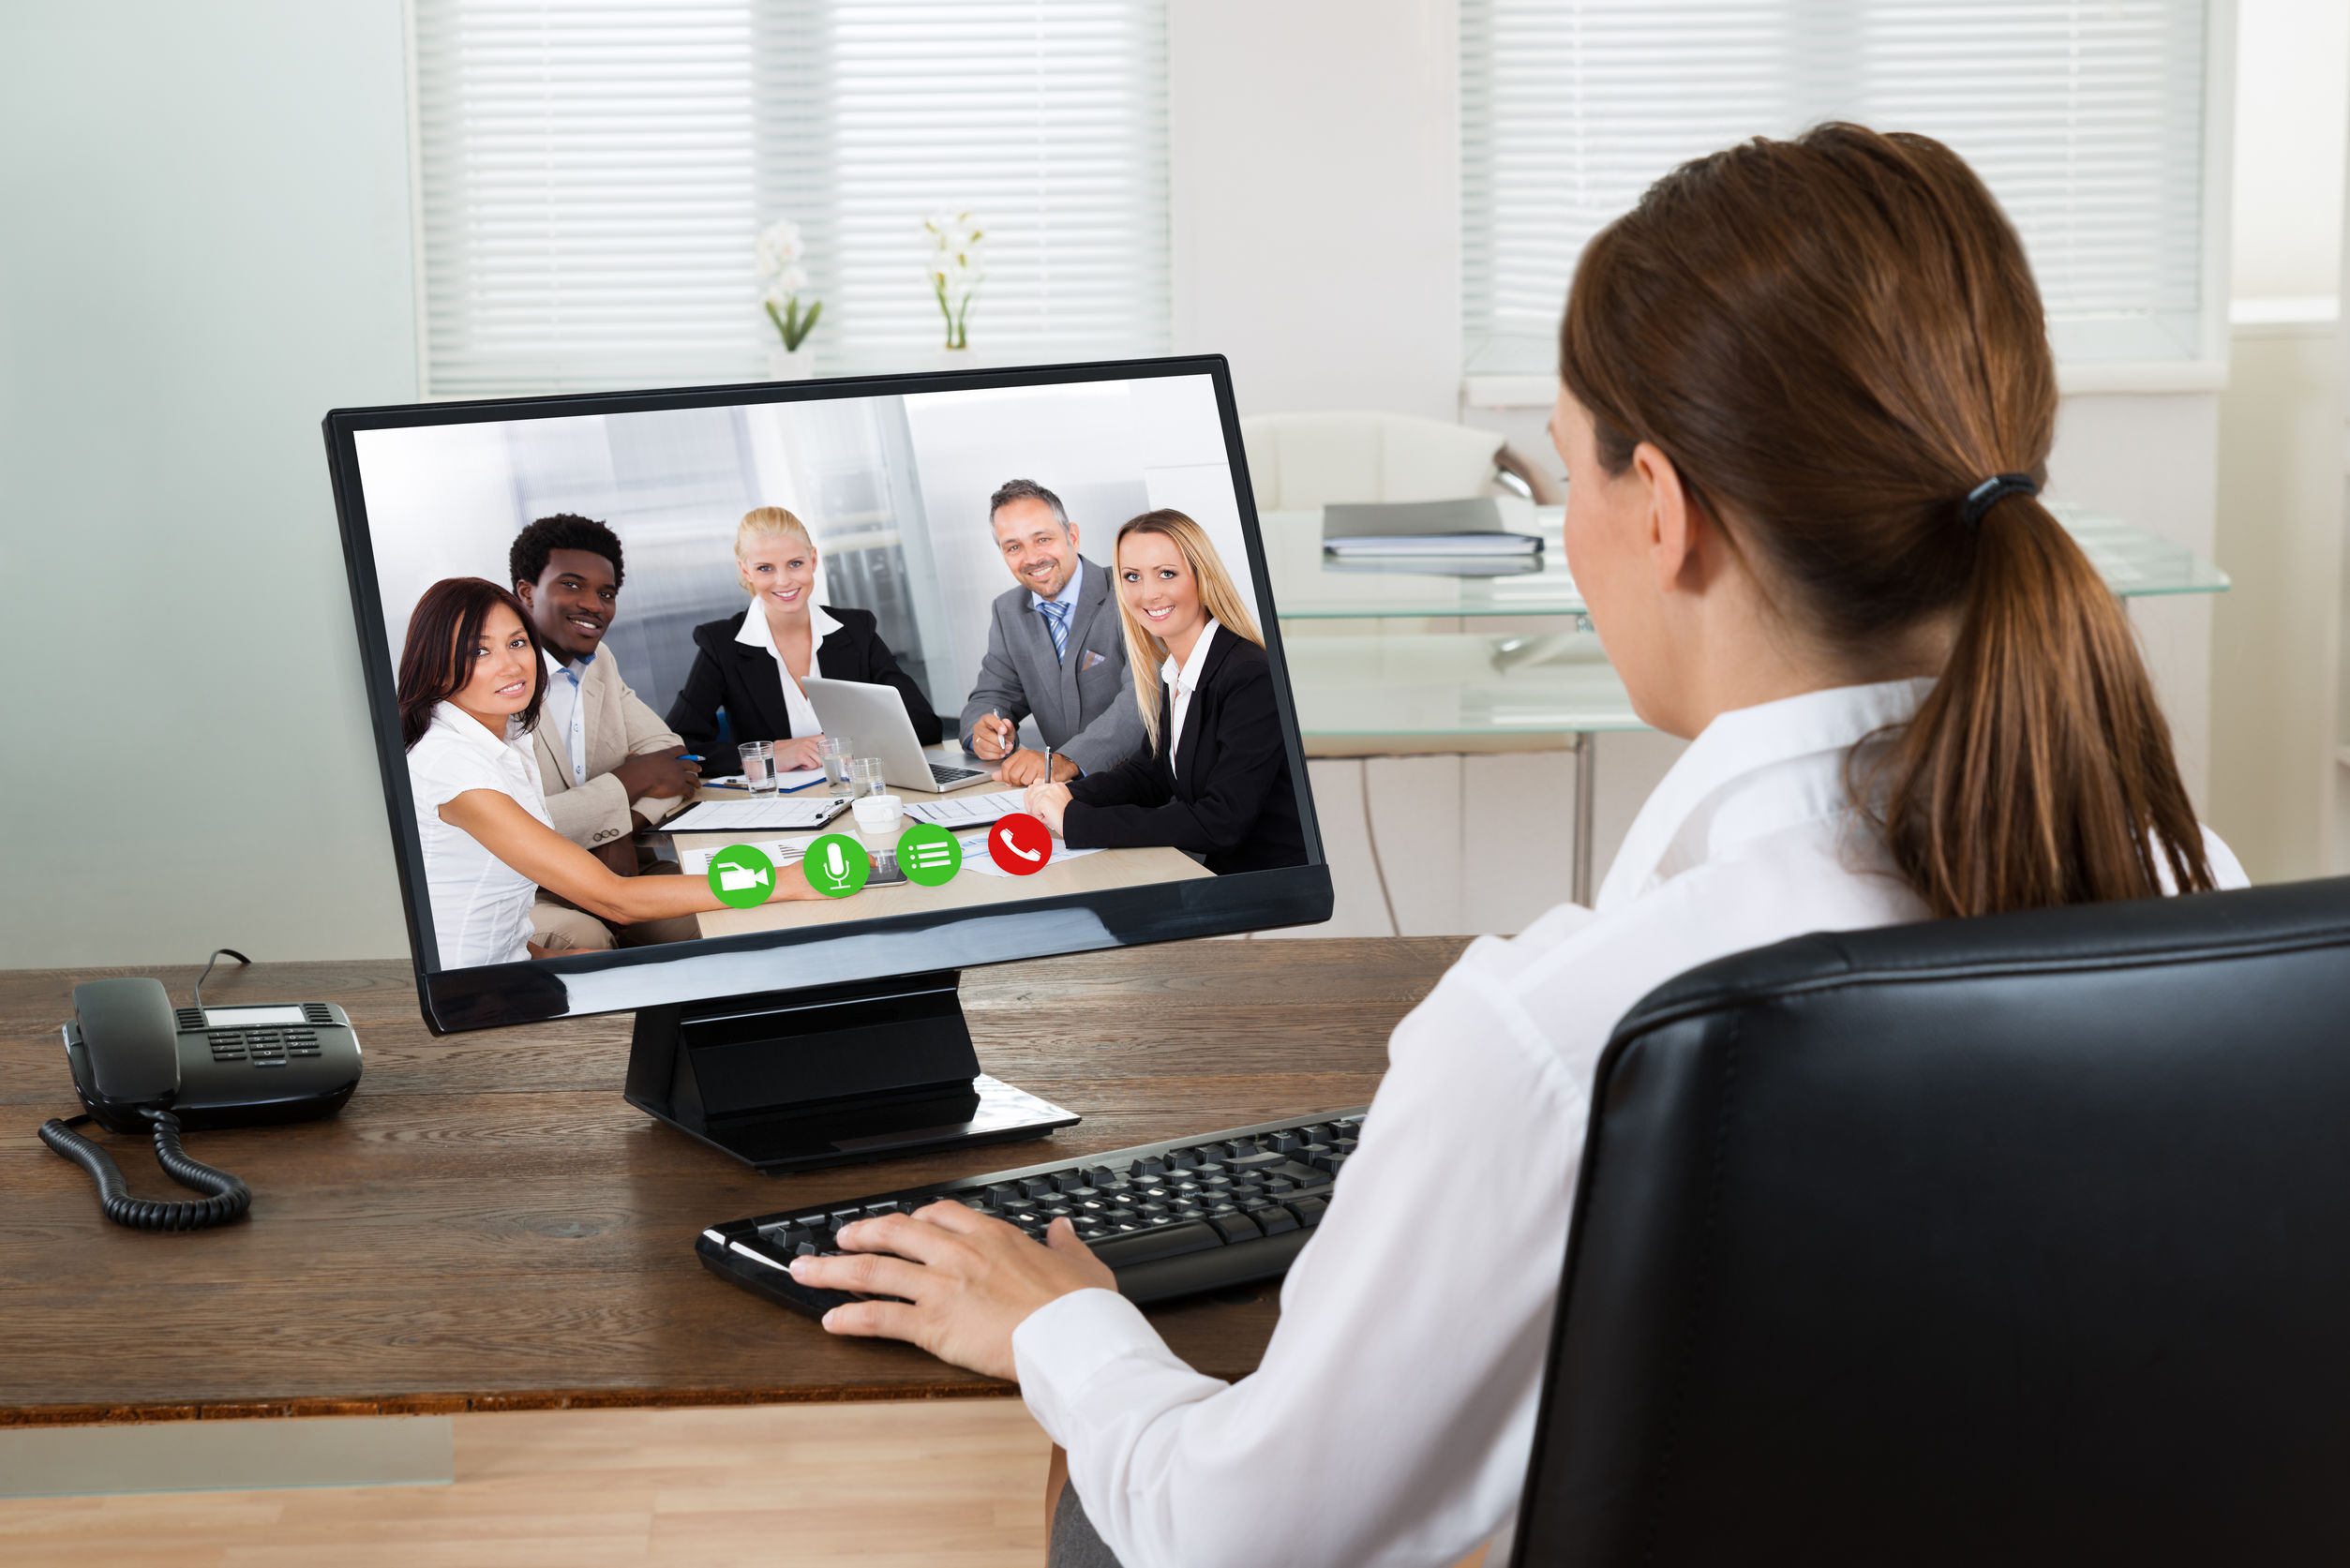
759	766
836	751
864	776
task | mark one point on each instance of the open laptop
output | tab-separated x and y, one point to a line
874	716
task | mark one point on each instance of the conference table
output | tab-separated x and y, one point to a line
978	883
488	1226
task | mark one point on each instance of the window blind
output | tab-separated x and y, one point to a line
2085	120
593	176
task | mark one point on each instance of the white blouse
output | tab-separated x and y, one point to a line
481	907
1181	681
797	708
1391	1420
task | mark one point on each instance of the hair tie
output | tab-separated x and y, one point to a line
1988	494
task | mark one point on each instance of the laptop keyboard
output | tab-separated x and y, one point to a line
943	775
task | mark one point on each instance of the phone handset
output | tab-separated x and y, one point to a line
122	1046
1030	854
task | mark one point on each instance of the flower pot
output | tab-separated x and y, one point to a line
791	365
958	359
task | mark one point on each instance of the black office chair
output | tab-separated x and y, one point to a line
2020	1240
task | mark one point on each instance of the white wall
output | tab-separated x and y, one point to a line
2292	79
205	248
1315	197
2276	634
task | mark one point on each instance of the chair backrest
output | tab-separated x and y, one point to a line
2018	1240
1303	461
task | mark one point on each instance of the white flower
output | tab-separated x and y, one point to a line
954	233
792	279
780	246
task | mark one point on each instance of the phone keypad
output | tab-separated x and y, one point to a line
263	1047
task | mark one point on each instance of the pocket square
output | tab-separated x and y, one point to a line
1090	659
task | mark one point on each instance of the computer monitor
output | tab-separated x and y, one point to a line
805	1033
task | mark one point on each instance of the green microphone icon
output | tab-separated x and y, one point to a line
837	865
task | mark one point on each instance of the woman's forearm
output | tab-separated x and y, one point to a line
634	900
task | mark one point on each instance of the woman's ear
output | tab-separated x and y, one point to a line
1670	520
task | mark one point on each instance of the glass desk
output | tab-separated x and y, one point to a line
1307	586
1364	693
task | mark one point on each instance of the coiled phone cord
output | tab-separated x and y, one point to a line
229	1197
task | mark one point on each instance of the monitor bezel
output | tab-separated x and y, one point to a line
624	979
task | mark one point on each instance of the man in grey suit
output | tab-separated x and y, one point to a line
1055	648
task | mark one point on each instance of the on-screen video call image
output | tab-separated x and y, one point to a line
696	673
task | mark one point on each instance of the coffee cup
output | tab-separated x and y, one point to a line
879	820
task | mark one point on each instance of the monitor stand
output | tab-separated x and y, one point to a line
789	1079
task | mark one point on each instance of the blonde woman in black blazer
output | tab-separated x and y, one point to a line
1214	779
751	664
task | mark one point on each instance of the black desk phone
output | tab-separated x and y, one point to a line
141	1065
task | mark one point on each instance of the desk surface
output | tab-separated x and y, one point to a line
488	1226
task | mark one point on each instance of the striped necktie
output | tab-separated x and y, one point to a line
1057	617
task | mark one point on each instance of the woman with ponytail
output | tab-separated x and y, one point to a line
1808	401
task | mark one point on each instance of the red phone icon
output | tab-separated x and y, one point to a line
1020	844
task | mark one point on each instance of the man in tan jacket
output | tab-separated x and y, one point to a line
610	768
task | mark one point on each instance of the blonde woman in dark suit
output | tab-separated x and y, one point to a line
1213	779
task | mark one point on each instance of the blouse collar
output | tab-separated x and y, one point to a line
821	624
1735	782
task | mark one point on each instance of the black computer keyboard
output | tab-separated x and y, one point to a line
1196	1214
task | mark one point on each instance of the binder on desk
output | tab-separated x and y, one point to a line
1436	531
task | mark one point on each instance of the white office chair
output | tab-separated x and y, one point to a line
1298	462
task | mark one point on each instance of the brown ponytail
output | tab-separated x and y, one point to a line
1835	339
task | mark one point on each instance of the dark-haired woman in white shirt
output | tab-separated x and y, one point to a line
1807	402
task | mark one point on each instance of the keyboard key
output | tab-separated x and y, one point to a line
847	1216
1273	1220
1035	1186
1235	1225
1307	1210
1166	1241
1101	1175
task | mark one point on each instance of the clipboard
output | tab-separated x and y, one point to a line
772	813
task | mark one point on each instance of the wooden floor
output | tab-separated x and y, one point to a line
945	1484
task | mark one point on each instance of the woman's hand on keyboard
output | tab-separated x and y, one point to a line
963	1281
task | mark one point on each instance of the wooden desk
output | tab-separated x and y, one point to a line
488	1226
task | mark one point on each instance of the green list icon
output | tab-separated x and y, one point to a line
741	876
837	865
929	856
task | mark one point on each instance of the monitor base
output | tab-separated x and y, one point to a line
790	1081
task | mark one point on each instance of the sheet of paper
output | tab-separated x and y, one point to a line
976	858
753	813
696	862
965	811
